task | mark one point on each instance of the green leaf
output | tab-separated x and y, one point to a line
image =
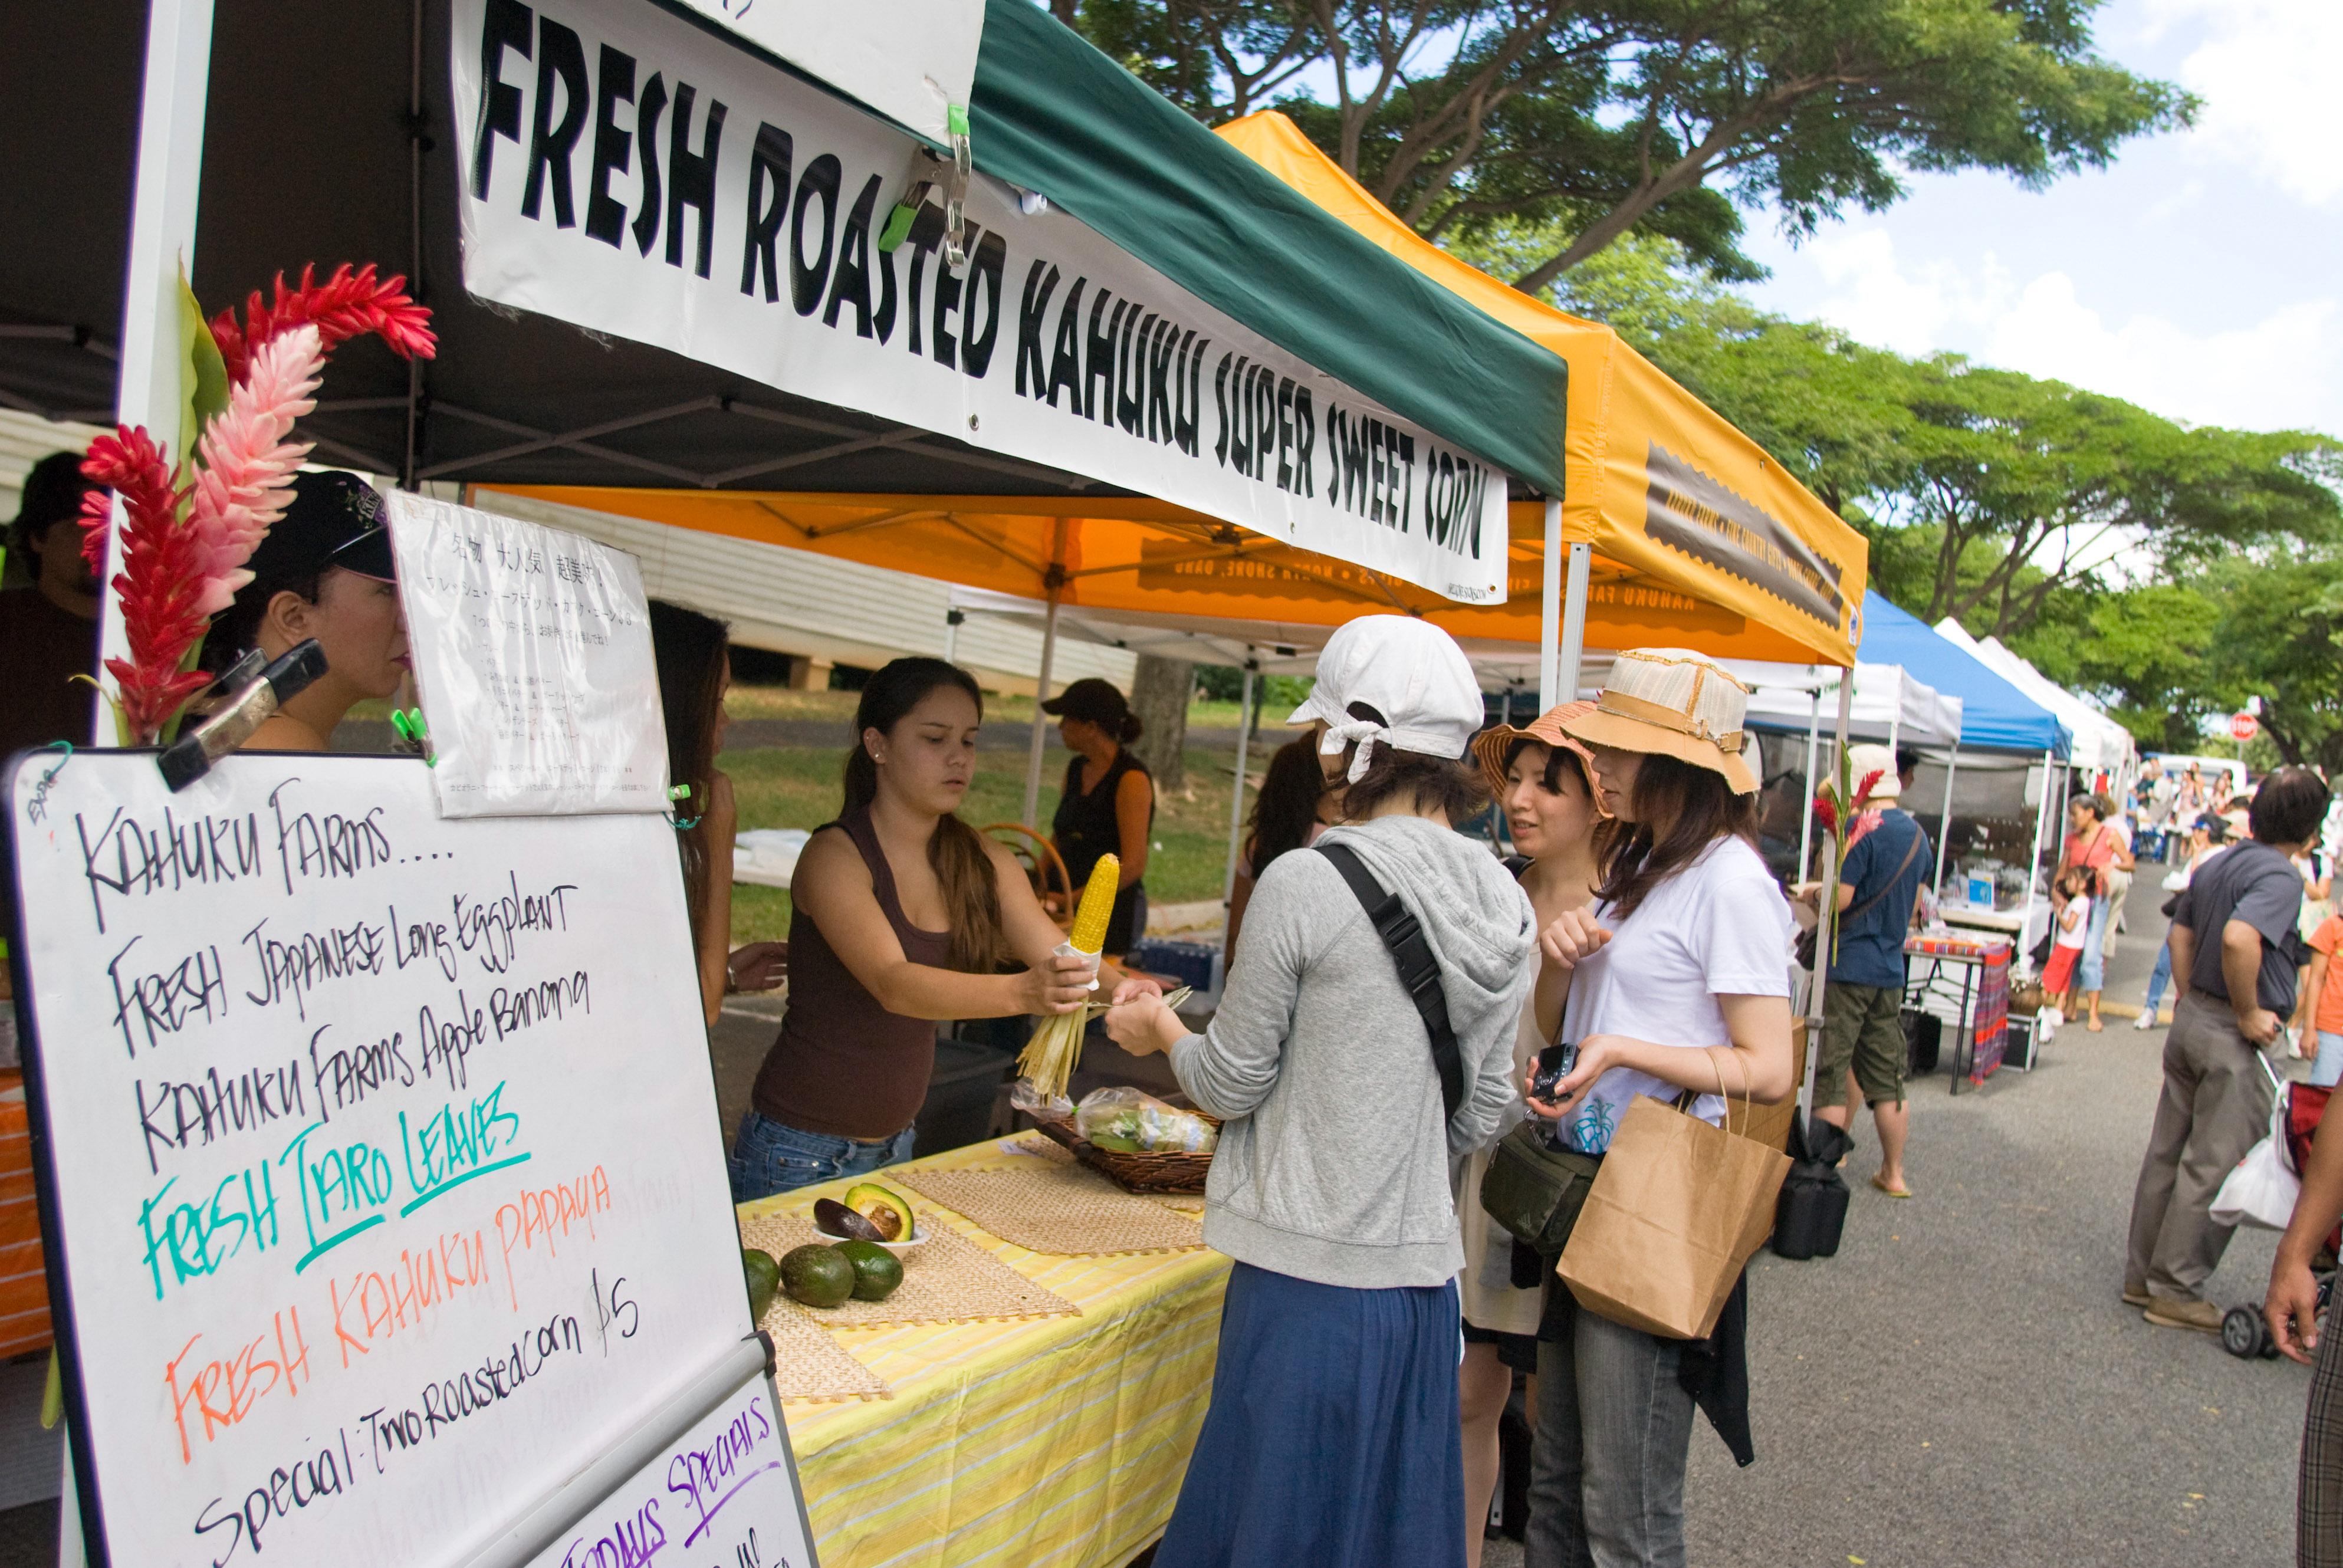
203	377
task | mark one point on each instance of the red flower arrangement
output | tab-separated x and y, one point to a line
189	529
1838	823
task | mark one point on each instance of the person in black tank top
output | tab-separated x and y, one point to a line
902	916
1107	805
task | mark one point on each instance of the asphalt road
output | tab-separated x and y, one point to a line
1961	1386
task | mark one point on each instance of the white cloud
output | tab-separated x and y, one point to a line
2279	372
2266	72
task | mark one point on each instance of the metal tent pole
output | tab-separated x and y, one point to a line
1945	820
162	203
952	619
1814	743
1827	908
1549	609
1574	624
1057	586
1236	795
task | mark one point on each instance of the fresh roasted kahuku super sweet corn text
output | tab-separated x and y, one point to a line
1089	934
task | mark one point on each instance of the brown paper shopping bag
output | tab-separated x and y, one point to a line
1675	1212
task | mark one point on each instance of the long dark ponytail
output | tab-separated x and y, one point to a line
687	651
956	852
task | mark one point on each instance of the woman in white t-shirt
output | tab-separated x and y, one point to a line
1680	980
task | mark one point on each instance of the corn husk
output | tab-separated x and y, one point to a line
1049	1056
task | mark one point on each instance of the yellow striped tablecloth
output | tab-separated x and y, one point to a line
1046	1443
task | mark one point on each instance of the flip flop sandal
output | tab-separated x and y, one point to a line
1891	1191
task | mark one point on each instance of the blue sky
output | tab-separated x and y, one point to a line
2201	276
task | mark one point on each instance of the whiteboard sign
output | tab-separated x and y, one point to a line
532	648
724	1493
381	1148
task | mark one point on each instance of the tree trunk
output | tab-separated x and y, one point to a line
1159	689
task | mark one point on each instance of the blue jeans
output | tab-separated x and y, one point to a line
770	1157
2328	1071
2094	967
2159	979
1607	1466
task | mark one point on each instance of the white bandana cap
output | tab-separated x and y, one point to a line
1408	670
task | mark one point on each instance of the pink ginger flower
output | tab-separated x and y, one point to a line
246	471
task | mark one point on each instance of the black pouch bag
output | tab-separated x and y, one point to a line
1811	1214
1536	1189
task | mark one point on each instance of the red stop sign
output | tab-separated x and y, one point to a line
2244	725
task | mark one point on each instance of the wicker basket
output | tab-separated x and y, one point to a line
1159	1172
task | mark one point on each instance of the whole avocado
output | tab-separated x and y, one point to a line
764	1276
877	1270
816	1275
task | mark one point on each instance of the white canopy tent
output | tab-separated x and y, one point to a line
2100	743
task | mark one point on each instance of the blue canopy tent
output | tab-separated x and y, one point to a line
1995	716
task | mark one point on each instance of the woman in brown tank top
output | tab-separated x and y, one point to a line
903	915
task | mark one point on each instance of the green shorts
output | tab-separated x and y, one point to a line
1863	1029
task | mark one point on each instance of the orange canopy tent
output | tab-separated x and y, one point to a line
1658	485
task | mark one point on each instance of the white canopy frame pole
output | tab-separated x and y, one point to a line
952	619
1814	744
1550	611
1944	818
1573	626
1826	910
2042	826
1057	582
1236	795
162	241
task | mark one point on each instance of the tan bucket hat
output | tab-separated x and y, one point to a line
1489	746
1675	703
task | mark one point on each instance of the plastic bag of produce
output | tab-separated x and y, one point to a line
1132	1121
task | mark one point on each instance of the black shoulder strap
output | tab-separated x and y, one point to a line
1418	970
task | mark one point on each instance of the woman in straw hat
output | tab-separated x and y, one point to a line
1544	782
1679	980
1332	1438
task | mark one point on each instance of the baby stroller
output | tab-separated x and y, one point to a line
2244	1331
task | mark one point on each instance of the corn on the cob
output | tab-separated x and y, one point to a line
1049	1059
1089	934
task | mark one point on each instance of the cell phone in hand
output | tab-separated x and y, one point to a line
1554	1063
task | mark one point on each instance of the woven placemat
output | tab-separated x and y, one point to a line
946	1279
1060	1208
809	1364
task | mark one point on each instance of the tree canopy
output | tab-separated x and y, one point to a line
2170	571
1597	119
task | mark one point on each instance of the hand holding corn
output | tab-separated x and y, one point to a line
1049	1057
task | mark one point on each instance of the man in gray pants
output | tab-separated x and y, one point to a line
2234	939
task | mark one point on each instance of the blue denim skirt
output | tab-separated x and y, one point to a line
770	1157
1333	1437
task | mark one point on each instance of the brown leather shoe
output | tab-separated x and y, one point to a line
2136	1295
2168	1313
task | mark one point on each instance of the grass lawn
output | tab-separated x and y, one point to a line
798	787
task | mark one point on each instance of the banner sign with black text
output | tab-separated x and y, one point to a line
911	59
624	172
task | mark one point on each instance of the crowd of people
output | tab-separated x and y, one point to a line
1638	943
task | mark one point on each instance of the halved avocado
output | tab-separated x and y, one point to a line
837	1219
886	1211
816	1275
877	1270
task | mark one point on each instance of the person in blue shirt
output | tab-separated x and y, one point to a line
1862	1026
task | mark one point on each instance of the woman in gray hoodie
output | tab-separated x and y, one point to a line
1333	1437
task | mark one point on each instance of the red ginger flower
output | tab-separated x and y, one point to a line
161	582
1826	813
1870	783
346	305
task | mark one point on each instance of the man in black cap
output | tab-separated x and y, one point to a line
48	629
324	571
